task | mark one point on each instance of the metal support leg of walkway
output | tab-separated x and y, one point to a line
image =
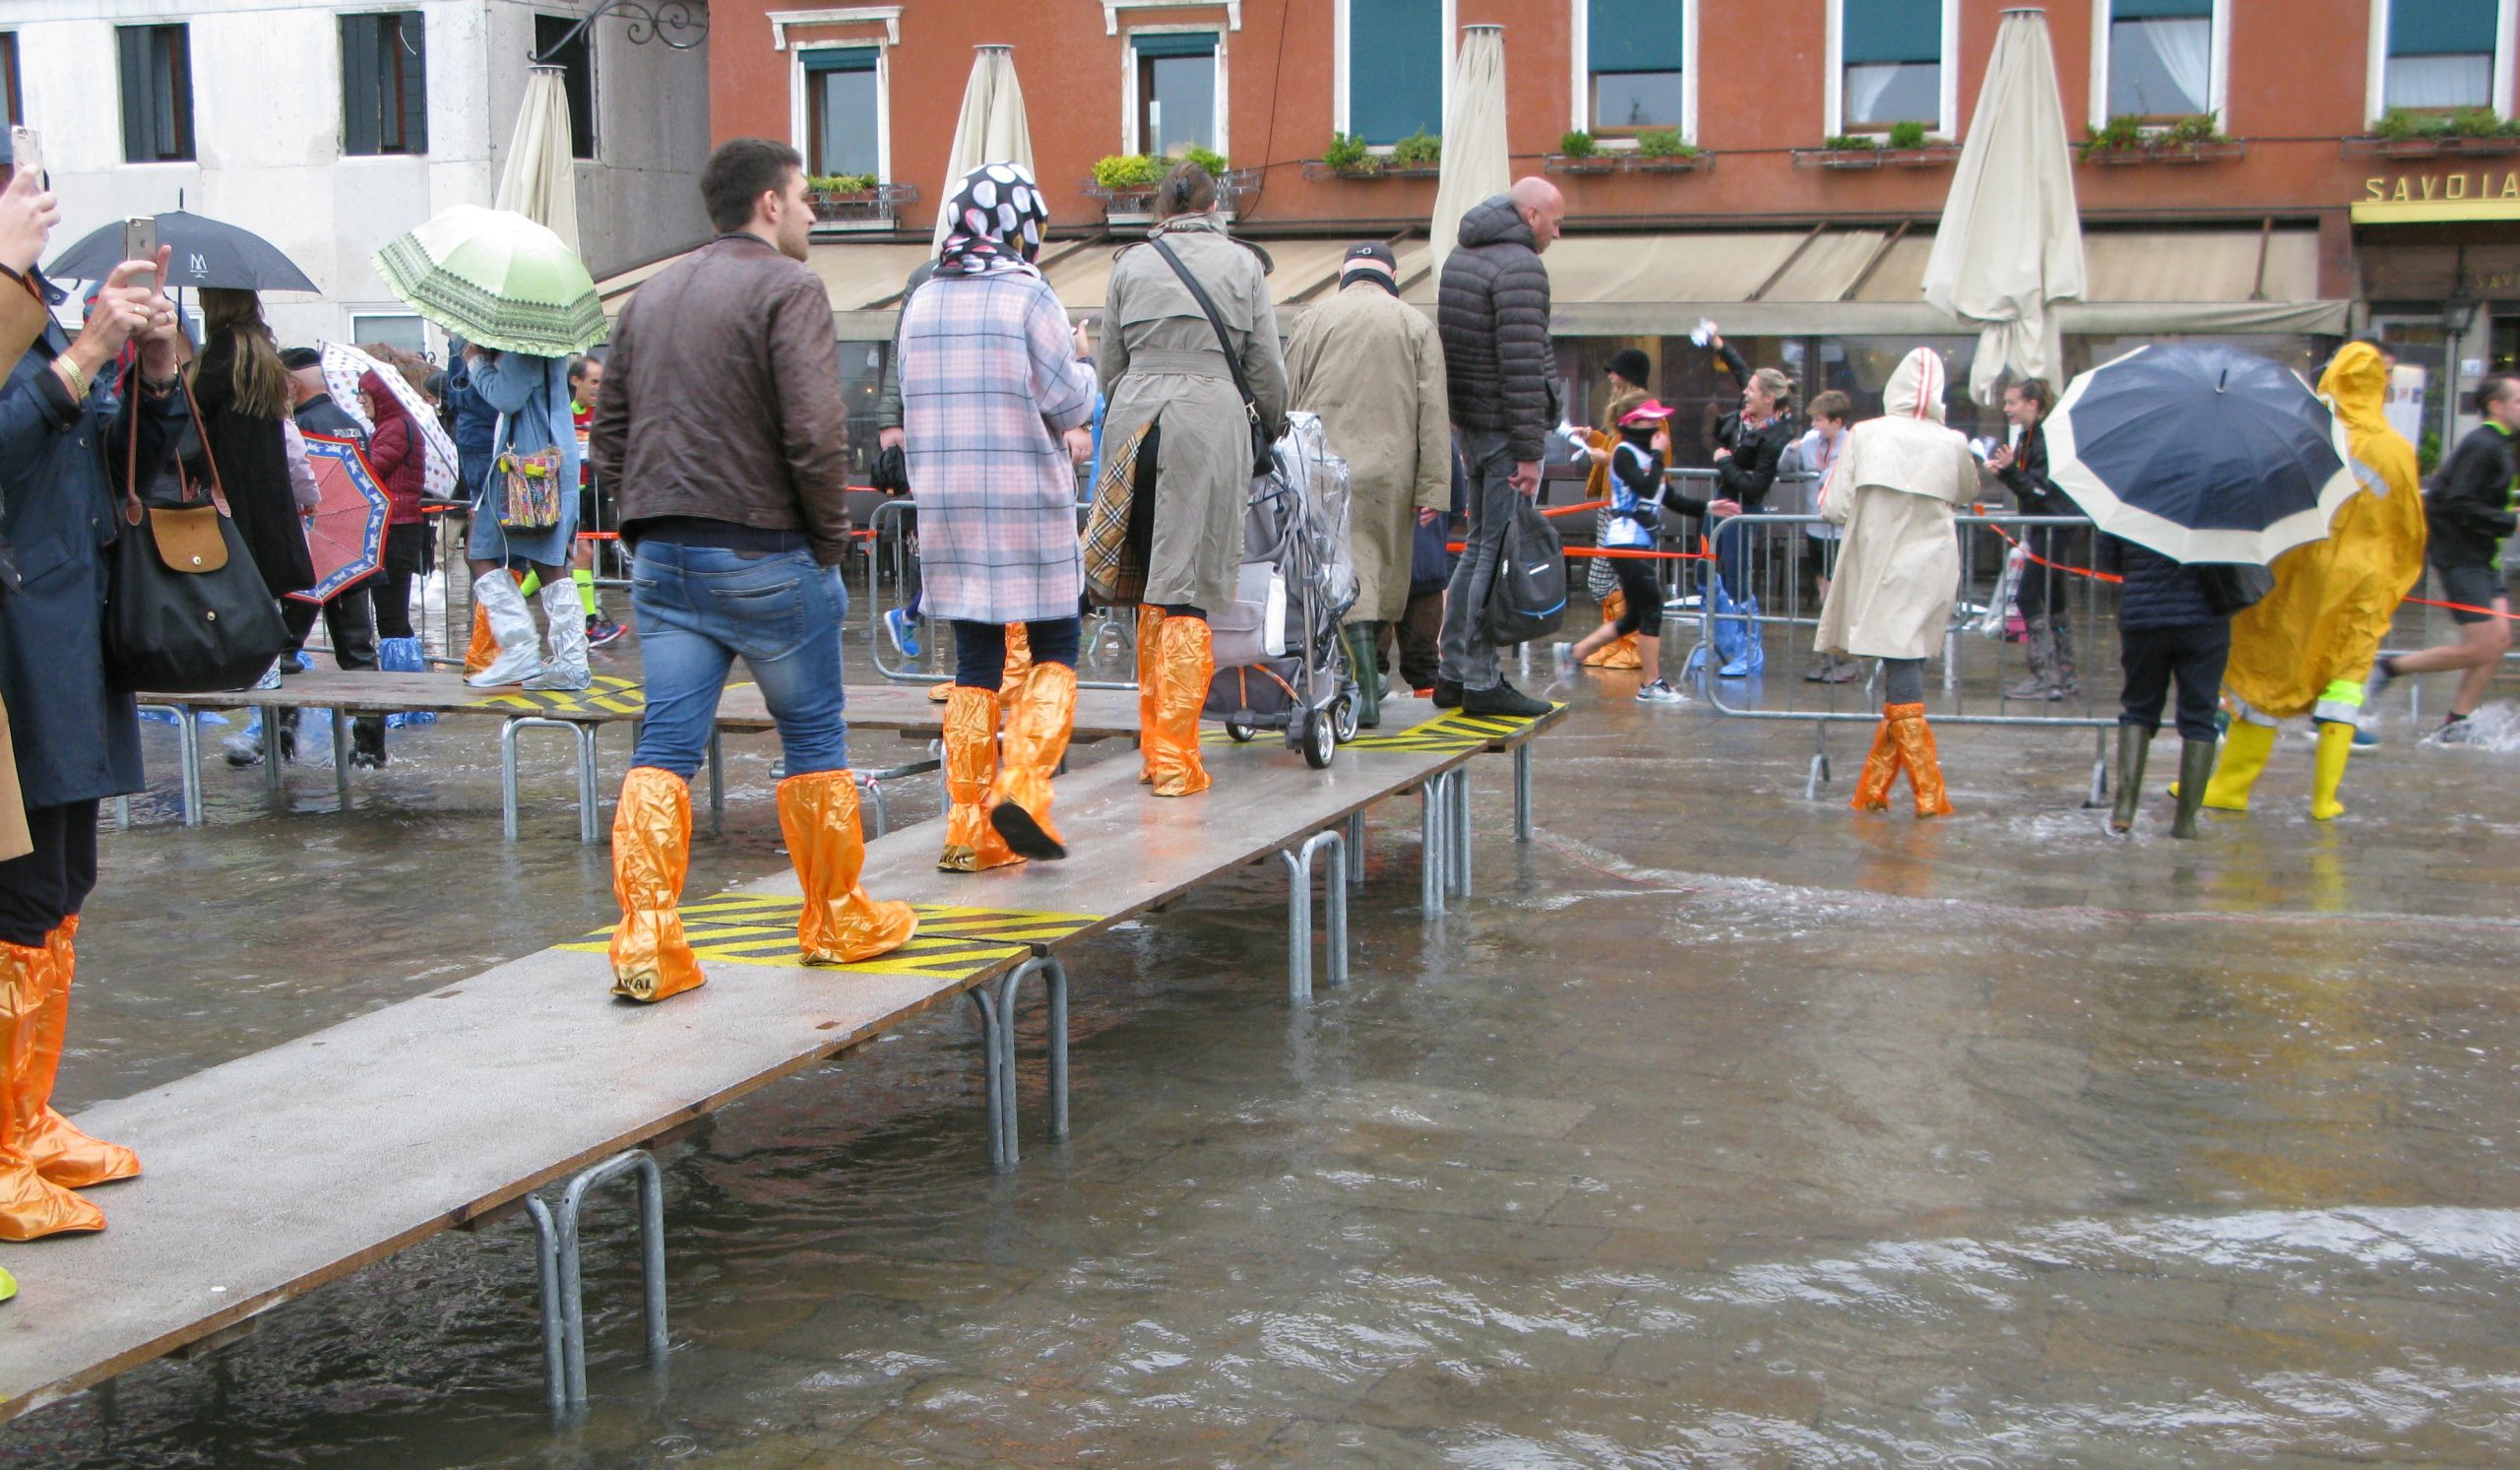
558	1262
589	804
188	744
1334	895
1523	791
996	1003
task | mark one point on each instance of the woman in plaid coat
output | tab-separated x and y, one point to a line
995	404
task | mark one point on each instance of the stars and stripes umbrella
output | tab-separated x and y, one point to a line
2204	454
343	365
346	532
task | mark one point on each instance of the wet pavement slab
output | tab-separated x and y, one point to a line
1720	1127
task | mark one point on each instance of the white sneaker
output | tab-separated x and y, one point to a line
1660	692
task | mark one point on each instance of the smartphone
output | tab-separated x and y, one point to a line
140	243
26	145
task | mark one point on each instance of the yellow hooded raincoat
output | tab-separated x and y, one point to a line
2308	646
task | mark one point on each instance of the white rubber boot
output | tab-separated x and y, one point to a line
512	624
566	668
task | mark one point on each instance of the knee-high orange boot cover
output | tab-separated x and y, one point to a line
651	853
970	769
62	1153
1036	739
1880	769
1018	668
1188	663
1915	752
1150	685
30	1205
840	923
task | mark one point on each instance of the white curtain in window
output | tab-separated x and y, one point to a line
2440	81
2186	50
1865	87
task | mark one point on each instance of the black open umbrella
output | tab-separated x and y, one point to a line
206	253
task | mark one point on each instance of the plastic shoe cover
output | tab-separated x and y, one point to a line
1036	743
567	668
1150	636
61	1153
838	923
970	769
651	853
520	656
1916	752
30	1205
1187	666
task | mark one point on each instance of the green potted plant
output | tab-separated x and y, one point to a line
1663	150
1421	152
2404	133
1349	154
1579	153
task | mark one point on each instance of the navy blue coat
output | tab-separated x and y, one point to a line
2158	593
77	739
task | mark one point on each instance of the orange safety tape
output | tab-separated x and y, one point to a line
2463	608
2079	571
1629	553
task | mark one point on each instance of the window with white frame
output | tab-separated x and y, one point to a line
1636	65
2441	54
1176	90
2161	58
1891	52
844	110
1393	67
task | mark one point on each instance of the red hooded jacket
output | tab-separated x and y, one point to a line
395	451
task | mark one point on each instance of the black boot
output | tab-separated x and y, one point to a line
2134	742
367	741
2195	769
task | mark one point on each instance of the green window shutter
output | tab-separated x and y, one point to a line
1395	68
412	55
1633	36
138	144
360	106
1174	43
2441	28
838	59
2161	10
1890	31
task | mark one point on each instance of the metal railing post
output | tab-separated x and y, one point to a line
652	1263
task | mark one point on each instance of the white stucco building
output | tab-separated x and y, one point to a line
330	128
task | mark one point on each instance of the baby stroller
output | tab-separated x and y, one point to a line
1281	664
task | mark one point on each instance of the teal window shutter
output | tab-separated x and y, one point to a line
1875	32
2441	28
838	59
2161	10
1395	68
1633	36
1174	43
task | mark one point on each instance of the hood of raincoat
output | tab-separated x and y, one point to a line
2358	383
1915	387
1495	221
382	406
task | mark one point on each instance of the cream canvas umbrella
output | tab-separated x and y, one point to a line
1476	167
991	129
541	179
2010	245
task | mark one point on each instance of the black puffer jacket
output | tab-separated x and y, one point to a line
2468	507
2158	593
1492	312
2027	478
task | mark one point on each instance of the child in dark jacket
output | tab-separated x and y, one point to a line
2166	628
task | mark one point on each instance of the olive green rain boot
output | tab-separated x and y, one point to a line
1364	641
2134	742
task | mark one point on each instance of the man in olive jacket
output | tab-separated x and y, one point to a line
1501	370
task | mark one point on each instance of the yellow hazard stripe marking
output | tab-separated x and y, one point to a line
954	942
610	693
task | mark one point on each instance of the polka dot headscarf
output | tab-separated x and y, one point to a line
998	216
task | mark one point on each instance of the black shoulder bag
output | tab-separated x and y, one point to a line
1263	460
187	612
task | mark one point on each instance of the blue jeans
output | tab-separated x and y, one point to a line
698	607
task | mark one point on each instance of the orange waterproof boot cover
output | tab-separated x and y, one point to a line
1019	668
1037	741
1149	664
839	923
484	649
61	1153
651	853
1880	769
970	769
1620	652
1189	663
1915	752
30	1205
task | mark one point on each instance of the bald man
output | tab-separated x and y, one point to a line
1500	371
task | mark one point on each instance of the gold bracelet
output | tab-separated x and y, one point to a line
72	378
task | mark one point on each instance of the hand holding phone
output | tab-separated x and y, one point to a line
140	243
26	145
27	218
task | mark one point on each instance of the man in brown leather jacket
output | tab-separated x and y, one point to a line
720	430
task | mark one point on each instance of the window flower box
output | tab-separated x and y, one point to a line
1134	203
2165	151
1371	168
1932	156
853	205
2431	148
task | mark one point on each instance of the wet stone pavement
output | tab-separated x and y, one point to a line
1720	1127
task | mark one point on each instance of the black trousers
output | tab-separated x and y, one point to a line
407	554
2194	654
49	884
2042	588
979	649
346	619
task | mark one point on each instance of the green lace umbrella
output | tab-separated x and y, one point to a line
496	278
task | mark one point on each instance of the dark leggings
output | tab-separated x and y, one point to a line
979	649
1902	681
2042	588
1644	595
407	550
47	885
2194	653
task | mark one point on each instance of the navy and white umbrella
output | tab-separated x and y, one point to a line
2201	453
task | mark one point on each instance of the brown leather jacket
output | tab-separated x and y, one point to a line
721	397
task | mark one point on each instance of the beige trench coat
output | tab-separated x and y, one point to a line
1159	360
1894	487
1373	369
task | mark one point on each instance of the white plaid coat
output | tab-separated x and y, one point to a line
989	381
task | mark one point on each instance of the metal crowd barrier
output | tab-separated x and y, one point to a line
898	553
1780	557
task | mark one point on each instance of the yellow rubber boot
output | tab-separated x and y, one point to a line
61	1153
30	1205
1036	737
2246	746
2336	744
651	854
1150	685
839	923
970	769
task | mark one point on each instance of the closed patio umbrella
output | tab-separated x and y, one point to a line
1475	166
990	130
2010	245
540	180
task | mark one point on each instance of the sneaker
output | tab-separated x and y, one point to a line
1562	655
2455	730
244	749
1447	695
903	633
1504	700
600	631
1660	692
2365	738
